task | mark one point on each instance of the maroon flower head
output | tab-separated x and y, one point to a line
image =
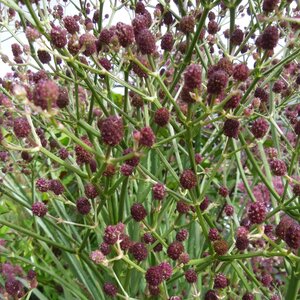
44	56
233	102
154	276
269	5
211	295
58	37
139	251
83	205
154	290
184	258
248	296
192	76
105	248
63	97
268	39
182	207
242	242
297	128
139	23
56	187
213	234
125	34
217	82
90	191
220	247
231	128
39	209
220	281
42	184
146	42
45	93
187	24
138	212
225	65
259	128
112	233
212	27
204	204
237	37
159	191
229	210
167	42
105	63
13	286
166	269
21	127
148	238
257	212
126	169
292	236
223	191
82	155
112	130
266	280
191	276
188	179
147	137
296	190
278	167
174	250
182	235
261	94
240	72
87	42
162	116
110	289
71	24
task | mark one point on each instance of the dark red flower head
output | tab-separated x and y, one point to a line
112	130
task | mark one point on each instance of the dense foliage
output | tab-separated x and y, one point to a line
150	149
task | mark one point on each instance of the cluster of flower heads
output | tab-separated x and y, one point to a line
13	287
156	45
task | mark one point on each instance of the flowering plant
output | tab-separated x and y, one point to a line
156	157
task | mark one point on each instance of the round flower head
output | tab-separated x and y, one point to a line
167	42
83	206
162	116
231	128
240	72
138	212
268	39
112	130
166	269
259	128
159	191
87	42
21	127
192	76
278	167
188	179
211	295
182	207
174	250
82	155
213	234
266	280
212	27
237	37
147	137
220	281
39	209
257	212
90	191
248	296
71	24
217	82
292	236
220	247
58	37
191	276
132	161
182	235
242	243
125	34
43	185
63	98
139	251
146	42
126	169
13	286
44	56
45	93
269	5
56	187
229	210
187	24
154	276
110	289
261	94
